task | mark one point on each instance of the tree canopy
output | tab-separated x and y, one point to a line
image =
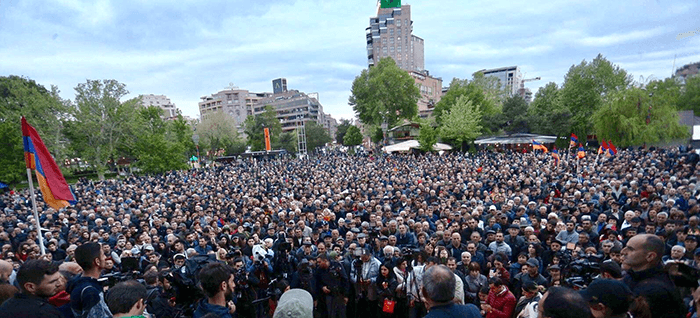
316	136
633	117
384	93
341	130
255	125
353	136
461	123
218	131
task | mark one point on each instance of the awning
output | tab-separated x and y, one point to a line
413	144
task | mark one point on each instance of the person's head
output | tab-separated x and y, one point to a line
90	256
643	251
439	284
217	278
561	302
39	278
322	261
607	298
5	271
127	298
466	258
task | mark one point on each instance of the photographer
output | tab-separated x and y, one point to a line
246	291
331	287
217	281
364	274
304	278
127	299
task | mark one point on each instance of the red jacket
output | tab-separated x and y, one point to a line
503	304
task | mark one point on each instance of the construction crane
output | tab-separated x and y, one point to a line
522	83
522	92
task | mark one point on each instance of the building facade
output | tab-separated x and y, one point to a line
238	103
390	34
294	108
162	101
688	70
510	78
430	91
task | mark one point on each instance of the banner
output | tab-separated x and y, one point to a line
268	147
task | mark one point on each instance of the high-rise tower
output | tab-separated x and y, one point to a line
390	34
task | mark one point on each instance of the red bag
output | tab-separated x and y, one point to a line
388	306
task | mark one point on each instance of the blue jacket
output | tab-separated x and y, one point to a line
204	307
87	298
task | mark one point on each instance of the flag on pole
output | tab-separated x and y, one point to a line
54	188
612	150
555	155
603	147
391	3
574	140
539	146
581	151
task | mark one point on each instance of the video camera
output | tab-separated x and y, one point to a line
582	271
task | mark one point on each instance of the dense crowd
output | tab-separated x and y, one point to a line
358	233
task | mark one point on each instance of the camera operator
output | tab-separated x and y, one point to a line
364	274
304	278
331	287
86	297
246	292
127	299
162	305
217	281
38	280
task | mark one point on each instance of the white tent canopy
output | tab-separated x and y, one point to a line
412	144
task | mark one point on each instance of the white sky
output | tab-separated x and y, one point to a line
187	49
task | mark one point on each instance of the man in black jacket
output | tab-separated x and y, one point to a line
646	276
38	280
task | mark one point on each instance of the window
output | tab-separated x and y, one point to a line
391	41
398	22
384	50
398	50
391	32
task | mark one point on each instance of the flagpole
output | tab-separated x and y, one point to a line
36	213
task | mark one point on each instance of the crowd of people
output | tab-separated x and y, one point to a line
491	234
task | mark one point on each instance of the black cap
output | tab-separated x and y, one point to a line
530	286
611	268
611	293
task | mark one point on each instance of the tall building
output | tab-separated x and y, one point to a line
430	91
510	78
390	34
162	101
236	102
293	108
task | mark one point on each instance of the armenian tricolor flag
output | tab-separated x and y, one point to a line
612	150
581	151
555	155
574	140
539	146
54	188
603	147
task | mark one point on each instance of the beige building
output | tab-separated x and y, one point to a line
430	91
162	101
238	103
390	34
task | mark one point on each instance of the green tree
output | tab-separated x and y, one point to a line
353	137
584	89
43	109
481	90
427	136
255	125
316	136
100	122
461	124
384	93
341	130
632	117
514	115
218	131
288	141
158	147
689	98
546	114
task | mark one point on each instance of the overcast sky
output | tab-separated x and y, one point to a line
188	49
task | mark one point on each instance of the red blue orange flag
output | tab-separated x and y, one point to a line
574	140
581	151
555	155
54	188
612	150
603	147
539	146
